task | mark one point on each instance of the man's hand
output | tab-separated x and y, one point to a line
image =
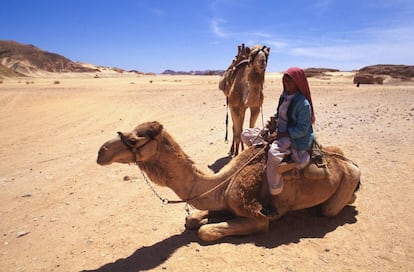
271	124
272	136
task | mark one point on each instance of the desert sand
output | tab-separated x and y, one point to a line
60	211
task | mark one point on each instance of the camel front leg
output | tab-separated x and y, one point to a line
196	219
254	114
236	226
237	116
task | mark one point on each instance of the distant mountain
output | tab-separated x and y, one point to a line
18	60
28	59
404	72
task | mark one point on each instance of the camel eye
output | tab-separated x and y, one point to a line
132	142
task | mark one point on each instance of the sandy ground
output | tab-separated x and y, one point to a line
60	211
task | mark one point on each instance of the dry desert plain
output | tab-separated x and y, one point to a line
60	211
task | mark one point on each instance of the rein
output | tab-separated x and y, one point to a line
166	201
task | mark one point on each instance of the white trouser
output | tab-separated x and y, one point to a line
277	151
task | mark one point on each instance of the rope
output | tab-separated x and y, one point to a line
230	177
165	201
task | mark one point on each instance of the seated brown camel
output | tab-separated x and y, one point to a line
242	84
239	188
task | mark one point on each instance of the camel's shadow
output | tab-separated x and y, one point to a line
147	258
298	225
289	229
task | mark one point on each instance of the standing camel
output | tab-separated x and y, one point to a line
242	84
239	188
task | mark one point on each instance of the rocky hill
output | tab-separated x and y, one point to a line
377	73
20	59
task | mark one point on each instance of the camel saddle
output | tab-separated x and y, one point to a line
316	169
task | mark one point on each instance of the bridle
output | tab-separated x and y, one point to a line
134	149
253	56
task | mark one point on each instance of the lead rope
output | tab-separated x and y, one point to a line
164	201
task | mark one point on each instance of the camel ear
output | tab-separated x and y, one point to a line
154	130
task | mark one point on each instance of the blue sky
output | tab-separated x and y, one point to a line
152	36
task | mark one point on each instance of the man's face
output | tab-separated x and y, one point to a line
289	84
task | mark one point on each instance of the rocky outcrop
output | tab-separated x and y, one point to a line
375	74
28	59
6	72
315	72
366	78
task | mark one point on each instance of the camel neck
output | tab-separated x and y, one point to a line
255	76
179	173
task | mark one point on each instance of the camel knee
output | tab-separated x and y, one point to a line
193	223
207	233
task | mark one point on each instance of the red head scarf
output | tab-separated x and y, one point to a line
298	75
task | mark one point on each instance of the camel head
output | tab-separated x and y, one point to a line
139	145
258	57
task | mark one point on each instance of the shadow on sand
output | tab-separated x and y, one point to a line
289	229
220	163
